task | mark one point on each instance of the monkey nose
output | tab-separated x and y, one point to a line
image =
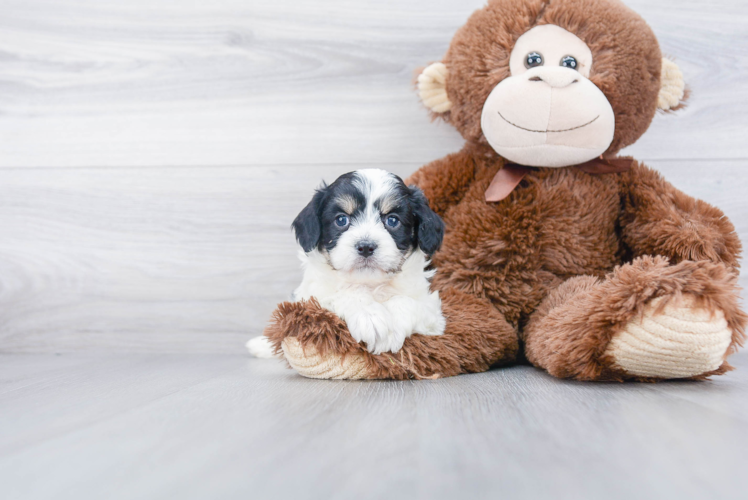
366	248
556	77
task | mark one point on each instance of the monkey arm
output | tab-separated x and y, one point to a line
445	181
317	343
658	219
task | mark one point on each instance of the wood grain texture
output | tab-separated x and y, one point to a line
221	426
153	82
125	224
180	259
152	156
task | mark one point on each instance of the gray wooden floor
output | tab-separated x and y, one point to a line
152	156
79	426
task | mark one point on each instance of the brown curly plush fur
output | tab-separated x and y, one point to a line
586	312
476	338
629	76
569	258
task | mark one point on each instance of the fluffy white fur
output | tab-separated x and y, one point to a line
374	184
384	297
381	310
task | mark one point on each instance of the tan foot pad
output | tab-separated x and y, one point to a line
682	340
332	366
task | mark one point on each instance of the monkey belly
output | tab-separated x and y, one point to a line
557	224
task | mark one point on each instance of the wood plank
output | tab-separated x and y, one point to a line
230	427
183	259
148	259
228	82
87	390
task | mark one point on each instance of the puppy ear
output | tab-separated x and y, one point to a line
672	86
429	226
307	225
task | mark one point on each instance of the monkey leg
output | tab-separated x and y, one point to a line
316	343
647	320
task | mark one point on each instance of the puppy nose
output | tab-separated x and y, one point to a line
366	248
555	77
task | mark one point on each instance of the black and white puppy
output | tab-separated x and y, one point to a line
365	240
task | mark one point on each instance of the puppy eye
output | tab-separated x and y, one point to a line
533	59
392	221
569	62
341	220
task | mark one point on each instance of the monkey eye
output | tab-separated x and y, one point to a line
569	62
341	220
533	59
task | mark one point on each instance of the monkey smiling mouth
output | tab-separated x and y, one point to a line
547	131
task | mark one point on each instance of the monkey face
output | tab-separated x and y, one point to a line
548	113
552	83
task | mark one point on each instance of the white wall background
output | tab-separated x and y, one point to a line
154	152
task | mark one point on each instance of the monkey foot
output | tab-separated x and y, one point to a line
680	340
308	362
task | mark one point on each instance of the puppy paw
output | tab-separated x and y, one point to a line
681	340
435	327
260	347
308	362
423	316
370	324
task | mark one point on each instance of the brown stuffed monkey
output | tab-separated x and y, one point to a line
594	266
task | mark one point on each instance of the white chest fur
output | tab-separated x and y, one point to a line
380	310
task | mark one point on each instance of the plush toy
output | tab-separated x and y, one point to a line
593	266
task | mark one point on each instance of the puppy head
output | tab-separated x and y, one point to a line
368	221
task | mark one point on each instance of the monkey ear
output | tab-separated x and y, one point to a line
672	86
432	88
